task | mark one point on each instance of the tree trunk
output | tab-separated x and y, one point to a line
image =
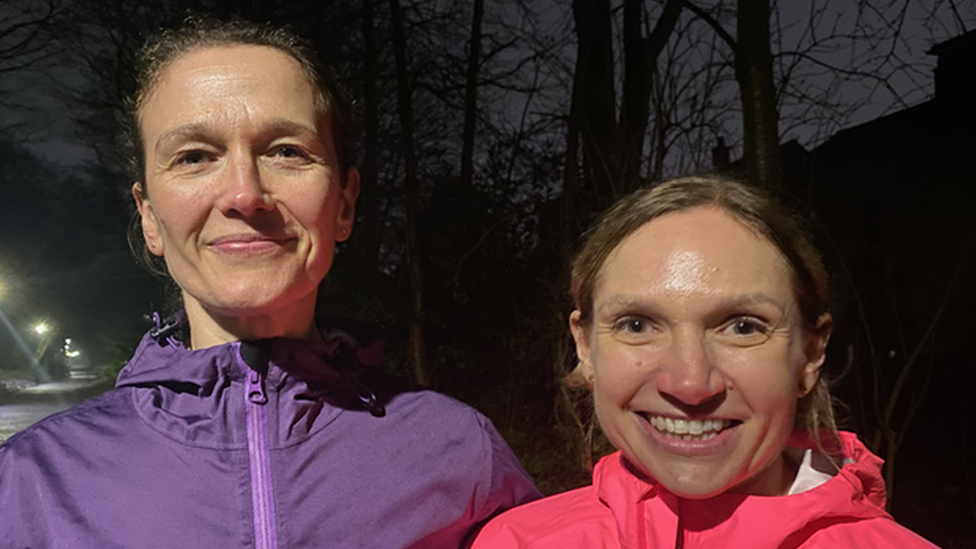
637	90
891	457
754	73
471	95
640	62
416	348
366	249
597	105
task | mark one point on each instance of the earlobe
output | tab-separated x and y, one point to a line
150	230
346	205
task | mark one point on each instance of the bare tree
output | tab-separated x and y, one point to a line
416	346
368	230
640	68
26	45
471	94
897	401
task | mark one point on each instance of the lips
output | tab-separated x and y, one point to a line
249	243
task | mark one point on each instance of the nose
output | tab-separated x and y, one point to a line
244	191
688	372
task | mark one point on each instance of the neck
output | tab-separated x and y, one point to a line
209	328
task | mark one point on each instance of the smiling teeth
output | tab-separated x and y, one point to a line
689	429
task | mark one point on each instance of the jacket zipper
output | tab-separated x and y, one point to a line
259	458
679	539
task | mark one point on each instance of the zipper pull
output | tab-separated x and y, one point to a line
255	388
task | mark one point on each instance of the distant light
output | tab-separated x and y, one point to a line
68	351
42	328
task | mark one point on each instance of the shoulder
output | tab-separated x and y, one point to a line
881	533
44	462
467	441
568	520
71	438
434	412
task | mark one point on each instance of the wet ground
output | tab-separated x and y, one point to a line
27	407
17	417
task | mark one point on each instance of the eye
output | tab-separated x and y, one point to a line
290	153
192	158
745	327
635	326
633	329
745	331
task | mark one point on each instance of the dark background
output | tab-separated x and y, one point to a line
502	161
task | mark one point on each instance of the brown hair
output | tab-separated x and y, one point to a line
200	32
755	209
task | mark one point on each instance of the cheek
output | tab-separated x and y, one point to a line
179	205
313	210
620	372
768	383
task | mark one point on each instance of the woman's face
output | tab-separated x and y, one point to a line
699	355
244	195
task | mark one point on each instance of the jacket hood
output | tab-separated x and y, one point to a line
855	492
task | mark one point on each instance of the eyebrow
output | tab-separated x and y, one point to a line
289	127
751	299
630	300
186	131
203	131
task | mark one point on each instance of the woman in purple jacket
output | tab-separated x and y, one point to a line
241	422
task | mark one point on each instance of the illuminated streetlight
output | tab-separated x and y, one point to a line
42	328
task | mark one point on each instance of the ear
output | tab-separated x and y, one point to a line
346	206
582	339
150	225
816	351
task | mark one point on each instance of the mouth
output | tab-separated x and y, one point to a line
250	244
249	238
689	429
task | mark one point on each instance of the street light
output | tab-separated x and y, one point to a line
70	351
42	327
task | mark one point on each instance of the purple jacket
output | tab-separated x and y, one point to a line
274	444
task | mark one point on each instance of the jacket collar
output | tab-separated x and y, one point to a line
197	396
162	357
856	492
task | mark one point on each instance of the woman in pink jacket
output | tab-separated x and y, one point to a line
701	325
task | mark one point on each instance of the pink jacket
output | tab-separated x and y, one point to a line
621	511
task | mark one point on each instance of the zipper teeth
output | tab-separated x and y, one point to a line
679	540
262	502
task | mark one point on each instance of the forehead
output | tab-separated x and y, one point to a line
223	69
693	251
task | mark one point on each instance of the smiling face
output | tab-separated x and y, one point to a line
243	194
698	354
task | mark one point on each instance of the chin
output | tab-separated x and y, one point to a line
684	479
694	488
249	302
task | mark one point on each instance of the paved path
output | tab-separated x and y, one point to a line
17	417
42	400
